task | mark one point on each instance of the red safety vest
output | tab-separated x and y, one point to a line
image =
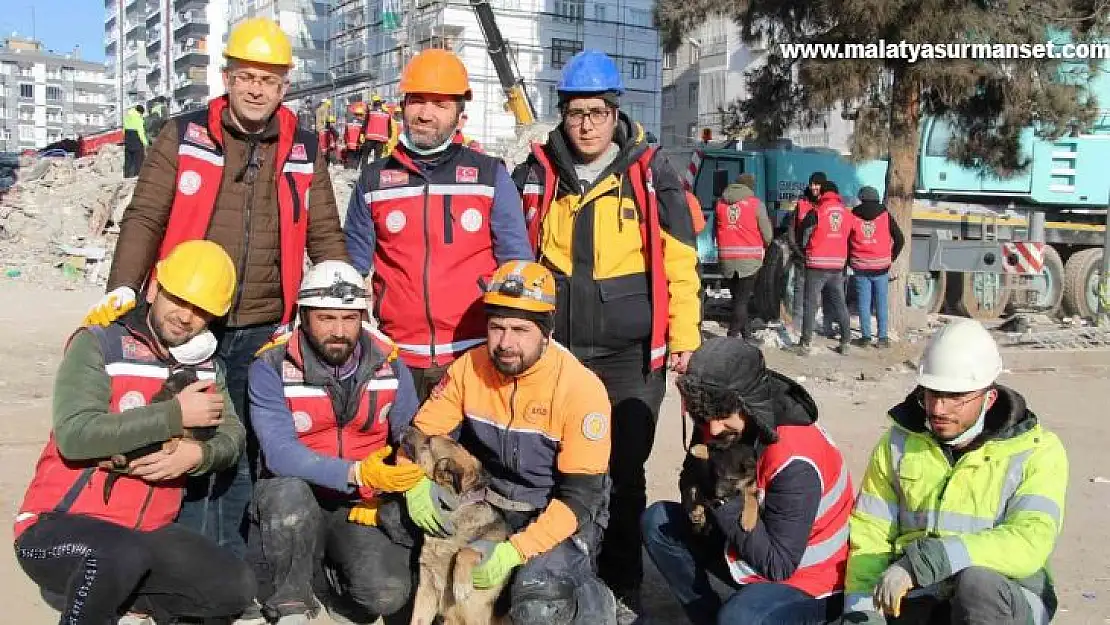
77	487
433	252
738	235
377	125
803	208
825	560
828	245
537	198
200	165
313	413
351	135
870	244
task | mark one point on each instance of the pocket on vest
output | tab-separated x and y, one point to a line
625	309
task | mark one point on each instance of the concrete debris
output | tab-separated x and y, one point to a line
772	338
342	183
57	223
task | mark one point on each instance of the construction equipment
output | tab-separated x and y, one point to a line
517	101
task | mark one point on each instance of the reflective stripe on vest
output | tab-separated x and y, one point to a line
737	226
827	247
870	244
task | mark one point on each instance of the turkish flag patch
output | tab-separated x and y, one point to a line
298	153
195	133
466	174
391	177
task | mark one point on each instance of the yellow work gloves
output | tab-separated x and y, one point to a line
366	512
497	564
375	473
893	586
112	306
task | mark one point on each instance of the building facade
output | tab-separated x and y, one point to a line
184	39
46	97
125	52
306	23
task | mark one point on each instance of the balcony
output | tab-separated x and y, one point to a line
195	55
130	26
195	25
111	14
153	15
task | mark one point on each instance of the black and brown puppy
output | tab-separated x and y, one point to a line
445	587
717	471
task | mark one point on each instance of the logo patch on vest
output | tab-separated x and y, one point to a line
471	220
131	400
195	133
290	372
466	174
868	229
189	183
392	177
594	426
298	153
383	414
536	413
395	221
834	221
733	213
302	422
134	349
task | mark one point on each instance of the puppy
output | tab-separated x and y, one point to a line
715	472
445	587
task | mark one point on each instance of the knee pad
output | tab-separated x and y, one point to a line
546	602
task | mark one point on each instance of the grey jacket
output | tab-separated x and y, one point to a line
744	268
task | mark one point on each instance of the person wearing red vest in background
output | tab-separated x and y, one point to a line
806	202
873	245
789	569
824	237
743	234
376	129
328	398
95	528
241	173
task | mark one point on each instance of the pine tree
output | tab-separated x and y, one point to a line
988	101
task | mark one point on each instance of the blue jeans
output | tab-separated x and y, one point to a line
215	505
872	290
685	560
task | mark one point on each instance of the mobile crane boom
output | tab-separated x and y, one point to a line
518	102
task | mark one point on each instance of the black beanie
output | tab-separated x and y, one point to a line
543	320
818	177
726	375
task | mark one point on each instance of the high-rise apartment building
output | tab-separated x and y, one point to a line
125	52
306	23
184	40
46	97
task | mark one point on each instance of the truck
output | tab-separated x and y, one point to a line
981	245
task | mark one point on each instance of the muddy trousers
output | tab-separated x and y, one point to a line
310	548
104	570
635	398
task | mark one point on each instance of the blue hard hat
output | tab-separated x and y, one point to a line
591	71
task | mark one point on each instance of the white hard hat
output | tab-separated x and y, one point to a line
960	358
332	284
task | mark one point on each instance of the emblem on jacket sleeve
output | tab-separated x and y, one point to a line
594	426
189	183
392	177
466	174
471	220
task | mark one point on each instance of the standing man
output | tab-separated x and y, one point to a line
242	174
157	117
376	129
433	221
327	400
873	246
963	499
806	203
102	538
824	237
538	421
612	222
134	141
743	234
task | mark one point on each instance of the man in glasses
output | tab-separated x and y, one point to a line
962	501
242	174
613	224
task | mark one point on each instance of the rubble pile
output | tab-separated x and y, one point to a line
342	183
58	222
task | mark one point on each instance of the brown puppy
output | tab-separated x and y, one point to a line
715	472
445	587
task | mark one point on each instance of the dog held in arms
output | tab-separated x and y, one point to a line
717	471
445	586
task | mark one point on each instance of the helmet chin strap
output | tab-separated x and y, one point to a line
975	430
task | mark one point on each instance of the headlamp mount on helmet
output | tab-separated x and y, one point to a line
338	290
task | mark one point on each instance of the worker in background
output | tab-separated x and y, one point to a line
433	221
157	117
873	245
548	479
330	141
354	136
789	568
322	113
963	499
824	237
306	115
612	222
134	141
105	539
376	129
242	174
806	203
327	400
743	233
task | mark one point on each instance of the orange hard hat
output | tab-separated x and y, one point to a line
436	71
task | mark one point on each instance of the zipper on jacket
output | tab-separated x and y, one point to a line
448	221
509	437
427	271
249	178
146	503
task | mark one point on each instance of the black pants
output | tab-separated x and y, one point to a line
741	290
132	161
310	548
832	283
635	398
425	380
104	570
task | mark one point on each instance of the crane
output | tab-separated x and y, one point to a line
518	102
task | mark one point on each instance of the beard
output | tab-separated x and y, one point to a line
515	362
426	138
168	334
335	350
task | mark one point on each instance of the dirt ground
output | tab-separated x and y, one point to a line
853	393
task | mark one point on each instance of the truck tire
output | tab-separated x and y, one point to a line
925	291
964	297
1081	283
1049	295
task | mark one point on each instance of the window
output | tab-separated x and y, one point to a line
669	102
599	12
691	132
55	94
7	69
54	116
695	54
637	68
670	59
27	91
562	50
552	100
25	71
639	17
51	137
692	96
26	133
939	137
636	111
569	10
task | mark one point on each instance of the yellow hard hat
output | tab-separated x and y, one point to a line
201	273
522	285
260	40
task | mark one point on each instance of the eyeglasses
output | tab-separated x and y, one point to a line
270	82
951	401
575	117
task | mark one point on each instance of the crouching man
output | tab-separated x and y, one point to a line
326	399
138	405
538	421
962	501
788	568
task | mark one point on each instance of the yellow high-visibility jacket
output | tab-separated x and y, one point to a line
999	505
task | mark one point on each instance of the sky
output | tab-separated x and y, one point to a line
59	24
